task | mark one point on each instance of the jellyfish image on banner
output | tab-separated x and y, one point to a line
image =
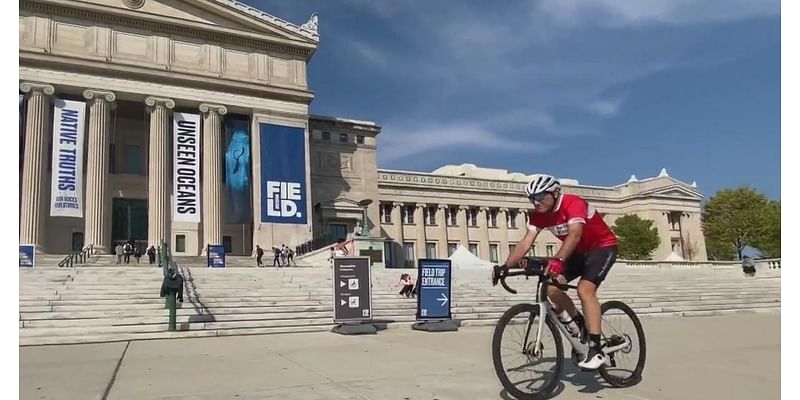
237	172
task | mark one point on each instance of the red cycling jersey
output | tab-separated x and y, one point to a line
572	209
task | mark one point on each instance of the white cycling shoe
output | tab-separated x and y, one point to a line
594	360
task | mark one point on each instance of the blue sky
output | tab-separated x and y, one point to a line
594	90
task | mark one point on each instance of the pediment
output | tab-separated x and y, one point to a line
228	15
676	191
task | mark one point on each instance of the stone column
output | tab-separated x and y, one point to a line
441	221
32	206
397	220
503	253
463	225
212	173
97	200
419	221
158	171
483	223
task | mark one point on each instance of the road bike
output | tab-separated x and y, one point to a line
539	343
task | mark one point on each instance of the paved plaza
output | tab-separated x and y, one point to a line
735	356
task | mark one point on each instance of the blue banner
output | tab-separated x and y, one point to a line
27	255
283	174
433	299
237	171
216	256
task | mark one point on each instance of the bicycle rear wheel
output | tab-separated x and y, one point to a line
526	372
619	324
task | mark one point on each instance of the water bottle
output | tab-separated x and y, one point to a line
572	327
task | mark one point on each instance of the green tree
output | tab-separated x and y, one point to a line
734	218
769	242
638	238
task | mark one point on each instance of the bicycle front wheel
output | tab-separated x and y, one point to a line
527	371
621	325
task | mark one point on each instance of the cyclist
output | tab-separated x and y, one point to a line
588	250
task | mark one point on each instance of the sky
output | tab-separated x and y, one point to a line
593	90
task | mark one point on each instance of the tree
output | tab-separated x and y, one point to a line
769	242
734	218
638	238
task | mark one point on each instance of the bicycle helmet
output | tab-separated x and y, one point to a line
542	183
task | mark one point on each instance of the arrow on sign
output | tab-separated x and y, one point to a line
343	302
342	284
443	299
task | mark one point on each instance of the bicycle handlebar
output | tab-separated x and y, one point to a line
531	266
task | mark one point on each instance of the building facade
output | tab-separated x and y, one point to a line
191	125
137	65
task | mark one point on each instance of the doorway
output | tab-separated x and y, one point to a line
129	222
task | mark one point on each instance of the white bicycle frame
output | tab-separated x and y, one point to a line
546	310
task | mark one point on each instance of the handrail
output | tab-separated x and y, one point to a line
77	257
170	270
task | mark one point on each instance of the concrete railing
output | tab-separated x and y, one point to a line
770	263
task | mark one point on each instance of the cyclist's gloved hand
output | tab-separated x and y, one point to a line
555	266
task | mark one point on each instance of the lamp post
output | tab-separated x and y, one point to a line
367	228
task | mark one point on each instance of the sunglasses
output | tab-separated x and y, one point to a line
538	198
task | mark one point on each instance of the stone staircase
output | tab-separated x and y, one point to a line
97	303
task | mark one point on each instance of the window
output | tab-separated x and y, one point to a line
473	248
359	139
409	249
493	218
227	244
134	160
676	245
452	214
386	210
451	248
550	249
342	138
387	254
512	219
408	215
326	136
180	243
112	159
430	250
473	217
431	215
493	256
511	248
674	220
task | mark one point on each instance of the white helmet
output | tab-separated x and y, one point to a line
541	183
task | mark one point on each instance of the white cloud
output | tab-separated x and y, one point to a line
399	143
605	107
627	12
369	53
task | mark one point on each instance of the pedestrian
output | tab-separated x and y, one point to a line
151	253
118	251
290	258
284	254
137	254
259	254
276	262
128	250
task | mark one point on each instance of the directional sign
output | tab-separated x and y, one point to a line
216	256
352	289
27	255
433	300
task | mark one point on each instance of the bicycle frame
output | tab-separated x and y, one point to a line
547	310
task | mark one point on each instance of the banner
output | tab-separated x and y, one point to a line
237	171
216	256
66	198
27	255
352	289
186	167
433	298
283	174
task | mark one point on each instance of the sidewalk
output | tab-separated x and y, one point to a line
687	358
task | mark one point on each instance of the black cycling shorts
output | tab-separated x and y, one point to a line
592	265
